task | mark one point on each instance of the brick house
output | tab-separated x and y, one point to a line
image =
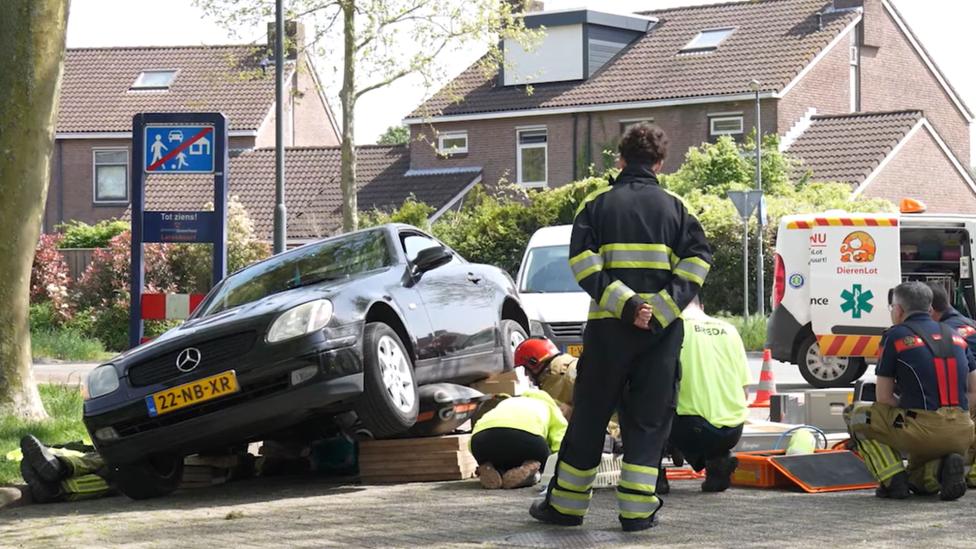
102	88
816	66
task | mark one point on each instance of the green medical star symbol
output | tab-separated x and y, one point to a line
856	301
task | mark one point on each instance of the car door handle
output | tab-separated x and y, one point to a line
474	278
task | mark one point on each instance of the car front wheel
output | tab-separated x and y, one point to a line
513	335
828	371
389	403
152	478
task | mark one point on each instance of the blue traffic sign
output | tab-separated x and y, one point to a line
178	149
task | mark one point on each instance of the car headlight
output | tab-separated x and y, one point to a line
536	328
303	319
101	381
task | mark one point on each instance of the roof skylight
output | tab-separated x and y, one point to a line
707	40
154	80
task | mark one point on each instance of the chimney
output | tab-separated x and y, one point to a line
294	39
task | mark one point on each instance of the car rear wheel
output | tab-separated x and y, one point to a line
389	403
151	478
513	335
828	371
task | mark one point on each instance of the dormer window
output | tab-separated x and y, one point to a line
707	40
154	80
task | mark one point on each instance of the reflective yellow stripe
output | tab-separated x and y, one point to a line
591	197
638	477
615	296
571	478
665	310
636	256
693	269
585	264
636	505
569	503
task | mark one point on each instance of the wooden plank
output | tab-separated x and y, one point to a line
423	477
446	457
445	443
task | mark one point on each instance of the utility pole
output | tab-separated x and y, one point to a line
280	213
760	266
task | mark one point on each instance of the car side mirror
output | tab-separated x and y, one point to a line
431	258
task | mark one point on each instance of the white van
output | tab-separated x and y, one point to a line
832	276
554	302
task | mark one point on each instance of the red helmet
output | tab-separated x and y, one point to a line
534	352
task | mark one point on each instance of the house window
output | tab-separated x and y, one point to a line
707	40
626	124
111	175
154	80
719	125
450	143
532	157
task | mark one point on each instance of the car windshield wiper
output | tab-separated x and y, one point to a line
314	279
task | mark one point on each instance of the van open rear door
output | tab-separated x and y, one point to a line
854	261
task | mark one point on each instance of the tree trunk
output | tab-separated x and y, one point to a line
32	34
350	206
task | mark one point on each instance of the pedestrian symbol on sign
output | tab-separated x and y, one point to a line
856	301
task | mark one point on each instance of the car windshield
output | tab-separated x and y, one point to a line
547	271
336	259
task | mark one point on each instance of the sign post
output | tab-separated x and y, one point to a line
745	203
176	143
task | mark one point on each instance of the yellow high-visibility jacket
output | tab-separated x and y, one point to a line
534	412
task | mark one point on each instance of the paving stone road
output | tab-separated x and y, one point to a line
303	512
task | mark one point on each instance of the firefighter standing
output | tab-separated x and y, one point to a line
642	258
929	367
945	313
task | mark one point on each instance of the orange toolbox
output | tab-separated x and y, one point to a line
822	471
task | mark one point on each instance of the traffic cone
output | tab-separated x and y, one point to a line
767	385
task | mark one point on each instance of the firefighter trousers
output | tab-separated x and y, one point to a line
635	373
883	433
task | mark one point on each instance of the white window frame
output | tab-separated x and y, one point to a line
724	117
137	84
94	172
691	48
452	135
519	147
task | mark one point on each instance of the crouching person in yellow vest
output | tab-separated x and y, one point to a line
927	365
512	442
62	474
555	373
712	405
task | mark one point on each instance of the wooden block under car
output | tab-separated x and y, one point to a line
504	383
416	459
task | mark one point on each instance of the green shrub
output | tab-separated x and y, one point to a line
752	330
42	316
411	212
65	345
82	235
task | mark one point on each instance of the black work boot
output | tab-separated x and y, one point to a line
46	464
663	486
897	487
41	491
543	512
718	474
952	477
638	525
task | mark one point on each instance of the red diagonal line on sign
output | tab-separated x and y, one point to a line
177	150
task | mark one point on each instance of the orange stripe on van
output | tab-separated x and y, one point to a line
845	345
843	222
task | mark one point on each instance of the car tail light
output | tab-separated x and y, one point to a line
779	281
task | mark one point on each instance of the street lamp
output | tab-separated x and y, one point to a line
280	214
754	85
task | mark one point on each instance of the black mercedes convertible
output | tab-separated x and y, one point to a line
353	323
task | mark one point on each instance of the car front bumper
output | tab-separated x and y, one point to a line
266	403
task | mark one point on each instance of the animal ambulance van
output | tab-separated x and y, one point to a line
832	276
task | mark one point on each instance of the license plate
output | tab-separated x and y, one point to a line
188	394
575	350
